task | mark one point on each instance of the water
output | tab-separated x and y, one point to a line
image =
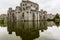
30	31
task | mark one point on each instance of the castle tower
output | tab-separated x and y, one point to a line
25	0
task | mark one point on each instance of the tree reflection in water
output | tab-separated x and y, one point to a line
57	23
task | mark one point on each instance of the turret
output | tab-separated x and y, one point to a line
10	8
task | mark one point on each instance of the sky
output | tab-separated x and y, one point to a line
51	6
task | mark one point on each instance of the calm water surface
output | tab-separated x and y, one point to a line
30	31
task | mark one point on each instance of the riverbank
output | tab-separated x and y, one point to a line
3	21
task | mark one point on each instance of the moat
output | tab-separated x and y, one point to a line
42	30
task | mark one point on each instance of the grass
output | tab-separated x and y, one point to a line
3	21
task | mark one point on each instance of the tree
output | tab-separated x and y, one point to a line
56	16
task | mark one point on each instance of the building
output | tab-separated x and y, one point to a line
27	11
10	14
50	16
3	16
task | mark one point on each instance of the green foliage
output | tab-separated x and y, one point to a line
5	21
56	16
1	21
50	19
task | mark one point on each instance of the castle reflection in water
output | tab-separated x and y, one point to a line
28	30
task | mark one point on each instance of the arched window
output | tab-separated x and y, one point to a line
18	12
33	16
22	15
27	12
24	9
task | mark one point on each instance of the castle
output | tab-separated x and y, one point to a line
27	11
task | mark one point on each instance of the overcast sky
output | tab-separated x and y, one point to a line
51	6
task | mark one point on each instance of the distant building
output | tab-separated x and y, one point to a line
50	16
27	11
3	16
